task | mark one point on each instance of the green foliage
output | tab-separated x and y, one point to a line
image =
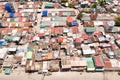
94	5
117	21
101	2
79	16
71	5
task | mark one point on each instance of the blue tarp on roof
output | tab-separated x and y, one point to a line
1	42
11	15
83	5
74	23
8	7
44	13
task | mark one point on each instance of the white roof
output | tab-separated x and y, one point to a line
111	23
45	65
16	38
20	54
98	22
36	38
12	49
114	62
3	52
87	50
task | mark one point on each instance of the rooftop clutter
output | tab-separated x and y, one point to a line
60	43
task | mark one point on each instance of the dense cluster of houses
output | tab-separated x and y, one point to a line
59	45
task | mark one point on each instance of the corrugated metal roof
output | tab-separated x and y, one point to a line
98	61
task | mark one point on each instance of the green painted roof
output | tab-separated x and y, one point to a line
11	19
16	19
29	55
90	63
80	0
7	70
48	5
56	19
107	0
42	26
113	29
9	38
90	29
26	14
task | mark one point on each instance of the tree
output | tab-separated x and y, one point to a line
79	16
101	2
71	5
94	5
117	21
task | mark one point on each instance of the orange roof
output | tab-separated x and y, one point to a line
50	56
85	36
69	19
60	39
107	63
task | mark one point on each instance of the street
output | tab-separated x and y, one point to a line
62	76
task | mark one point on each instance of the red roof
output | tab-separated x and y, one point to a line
69	19
31	37
41	34
77	40
60	13
98	61
20	19
55	5
118	38
50	42
75	30
19	14
2	6
85	36
98	33
9	29
58	30
75	1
